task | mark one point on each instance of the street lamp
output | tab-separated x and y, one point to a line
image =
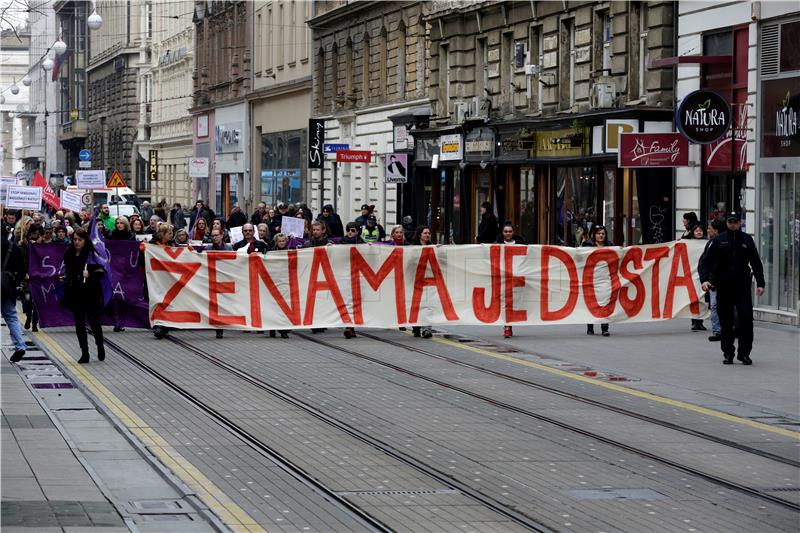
14	89
47	64
2	99
95	20
26	80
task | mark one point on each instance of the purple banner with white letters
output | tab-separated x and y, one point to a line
128	306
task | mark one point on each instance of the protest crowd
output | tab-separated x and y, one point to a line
275	229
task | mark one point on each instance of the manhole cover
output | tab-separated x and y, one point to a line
157	507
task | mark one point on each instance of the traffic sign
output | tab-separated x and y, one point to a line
333	148
116	180
85	155
86	199
84	164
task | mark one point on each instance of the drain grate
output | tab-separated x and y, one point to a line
157	507
52	385
398	492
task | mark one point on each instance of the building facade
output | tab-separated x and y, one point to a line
528	101
368	66
777	159
42	150
164	133
280	103
222	79
14	108
118	53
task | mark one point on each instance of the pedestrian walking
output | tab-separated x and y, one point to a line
280	243
238	218
716	228
697	232
218	245
28	306
163	236
423	237
507	236
598	237
83	293
12	272
147	212
176	217
319	237
729	265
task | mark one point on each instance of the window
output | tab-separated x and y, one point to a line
537	57
444	80
321	80
481	67
605	44
365	68
566	64
291	23
259	53
348	67
401	61
644	54
80	93
790	43
268	48
334	76
382	67
281	44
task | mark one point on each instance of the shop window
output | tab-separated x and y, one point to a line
526	221
575	206
282	165
767	234
780	239
609	207
790	42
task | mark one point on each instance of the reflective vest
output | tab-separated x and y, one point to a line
370	236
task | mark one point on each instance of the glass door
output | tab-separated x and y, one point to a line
481	192
788	275
526	221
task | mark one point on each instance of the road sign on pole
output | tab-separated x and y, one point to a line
116	180
85	155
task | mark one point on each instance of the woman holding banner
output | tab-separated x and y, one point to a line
597	238
422	237
507	236
83	293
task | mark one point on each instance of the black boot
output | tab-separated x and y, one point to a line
101	353
416	330
27	321
84	356
284	334
17	356
590	329
219	333
745	359
272	333
727	359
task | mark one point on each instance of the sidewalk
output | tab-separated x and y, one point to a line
668	359
66	467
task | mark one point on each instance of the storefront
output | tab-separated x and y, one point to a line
436	191
778	231
230	169
203	150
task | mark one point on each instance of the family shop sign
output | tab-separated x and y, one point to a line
386	286
703	116
653	150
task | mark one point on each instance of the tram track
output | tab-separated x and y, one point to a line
732	485
297	471
589	401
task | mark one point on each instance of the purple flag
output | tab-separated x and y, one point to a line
102	258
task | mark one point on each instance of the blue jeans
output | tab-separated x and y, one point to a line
715	327
9	308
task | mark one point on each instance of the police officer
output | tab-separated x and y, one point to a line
728	265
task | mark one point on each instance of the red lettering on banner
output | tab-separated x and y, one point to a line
589	296
359	267
632	306
512	281
680	260
428	257
572	271
216	287
174	252
187	272
492	312
258	271
656	255
320	260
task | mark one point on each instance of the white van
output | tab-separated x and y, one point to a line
117	196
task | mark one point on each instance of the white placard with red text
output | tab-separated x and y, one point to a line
384	286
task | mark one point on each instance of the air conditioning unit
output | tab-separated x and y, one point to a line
480	107
604	94
460	111
533	70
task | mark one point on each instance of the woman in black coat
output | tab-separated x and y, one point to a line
83	293
487	229
598	237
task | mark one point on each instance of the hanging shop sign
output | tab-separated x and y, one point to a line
402	139
703	116
198	167
451	147
397	168
561	143
316	143
228	137
638	150
780	118
615	128
333	148
353	156
152	159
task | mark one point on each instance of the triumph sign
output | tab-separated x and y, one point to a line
638	150
703	116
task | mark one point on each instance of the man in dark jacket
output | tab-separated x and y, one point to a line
728	265
258	217
238	218
332	220
365	212
274	224
13	270
176	217
487	229
250	242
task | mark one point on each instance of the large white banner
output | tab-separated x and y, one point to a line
384	286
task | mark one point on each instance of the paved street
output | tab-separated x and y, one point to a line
551	430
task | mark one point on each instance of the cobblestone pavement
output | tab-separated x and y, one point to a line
561	479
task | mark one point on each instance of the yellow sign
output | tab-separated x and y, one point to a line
116	180
561	143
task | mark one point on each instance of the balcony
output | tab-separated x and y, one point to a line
31	151
73	131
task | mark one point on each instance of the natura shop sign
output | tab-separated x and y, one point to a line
637	150
703	116
780	103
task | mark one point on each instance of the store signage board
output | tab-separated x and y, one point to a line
198	167
90	179
353	156
316	143
333	148
397	168
642	150
703	116
24	197
451	147
71	200
780	117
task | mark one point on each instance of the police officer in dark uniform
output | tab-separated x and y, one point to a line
728	266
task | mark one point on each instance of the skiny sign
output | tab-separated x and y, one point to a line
387	286
703	116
